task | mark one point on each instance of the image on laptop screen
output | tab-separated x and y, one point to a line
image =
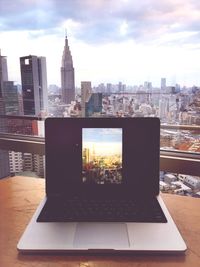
102	155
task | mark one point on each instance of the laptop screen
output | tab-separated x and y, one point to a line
102	156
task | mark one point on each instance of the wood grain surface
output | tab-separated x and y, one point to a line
19	197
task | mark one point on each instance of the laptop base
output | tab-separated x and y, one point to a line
63	237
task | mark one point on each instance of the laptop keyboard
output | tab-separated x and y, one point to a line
102	211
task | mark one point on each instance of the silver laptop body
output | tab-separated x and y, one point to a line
134	144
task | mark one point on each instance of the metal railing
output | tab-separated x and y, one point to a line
22	143
170	160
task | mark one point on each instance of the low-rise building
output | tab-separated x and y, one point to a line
164	186
169	178
192	181
181	188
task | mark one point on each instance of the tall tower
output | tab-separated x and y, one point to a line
67	75
3	78
10	98
4	157
3	71
163	83
86	92
34	84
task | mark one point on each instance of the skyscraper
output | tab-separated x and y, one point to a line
93	105
3	78
163	83
34	84
10	98
4	157
86	92
67	75
3	71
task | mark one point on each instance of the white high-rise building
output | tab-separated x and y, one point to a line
163	108
28	162
163	84
16	162
39	165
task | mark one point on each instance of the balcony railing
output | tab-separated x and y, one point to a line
170	160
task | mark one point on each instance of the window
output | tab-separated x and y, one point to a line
119	58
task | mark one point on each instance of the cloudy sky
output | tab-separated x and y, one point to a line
110	40
105	141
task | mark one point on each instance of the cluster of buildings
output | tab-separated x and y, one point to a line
31	97
101	169
180	184
23	106
19	108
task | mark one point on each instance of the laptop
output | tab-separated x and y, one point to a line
102	190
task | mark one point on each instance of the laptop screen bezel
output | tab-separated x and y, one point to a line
141	147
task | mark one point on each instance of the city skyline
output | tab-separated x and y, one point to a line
133	43
102	149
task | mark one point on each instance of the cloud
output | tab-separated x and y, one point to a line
103	20
110	40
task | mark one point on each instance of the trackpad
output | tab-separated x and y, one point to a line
101	236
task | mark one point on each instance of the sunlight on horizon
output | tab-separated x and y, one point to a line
104	148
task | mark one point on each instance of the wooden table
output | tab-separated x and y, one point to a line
19	197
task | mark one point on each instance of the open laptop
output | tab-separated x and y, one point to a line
102	189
